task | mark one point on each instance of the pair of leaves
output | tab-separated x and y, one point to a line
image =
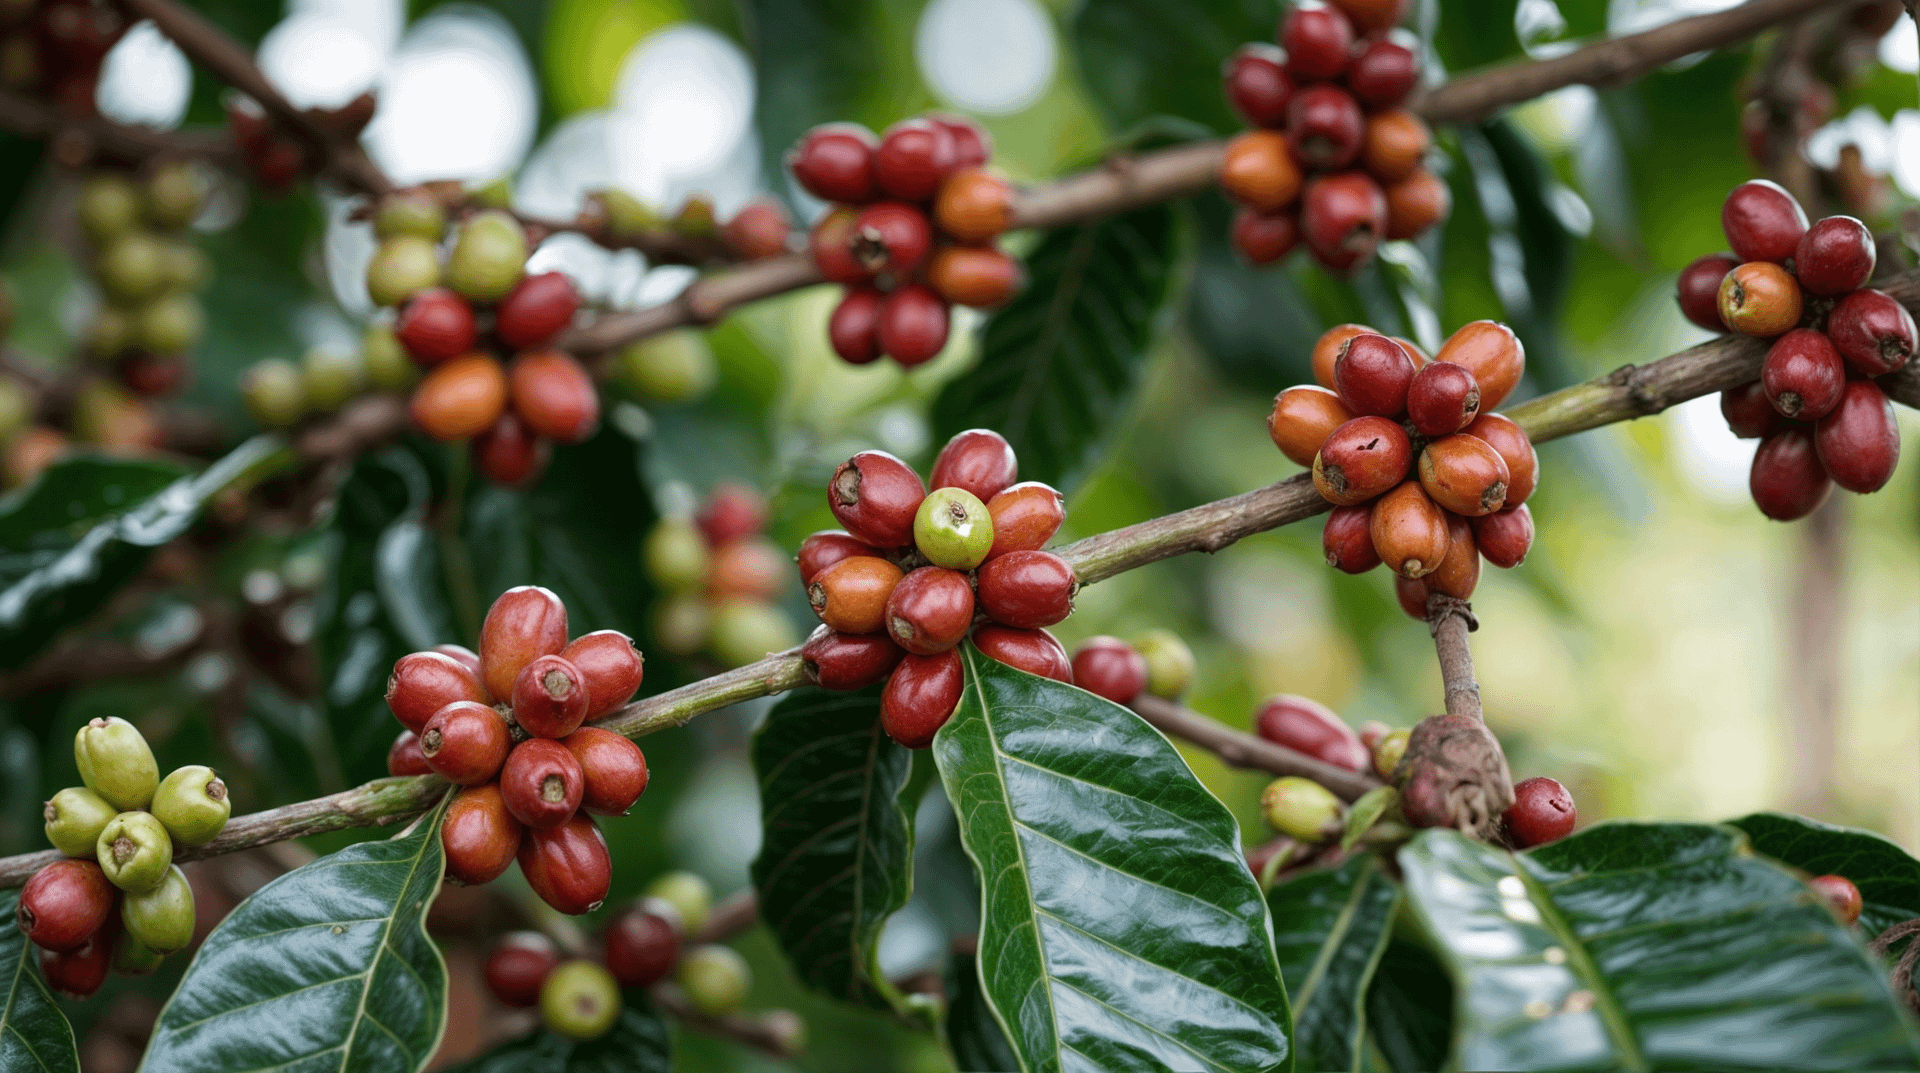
34	1034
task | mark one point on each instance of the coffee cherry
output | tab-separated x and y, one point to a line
64	904
1542	812
1443	398
464	656
1362	459
1257	84
422	683
612	666
1872	332
972	145
1344	217
1347	539
920	697
550	697
613	768
1307	726
542	783
1170	663
1025	517
1328	348
1515	449
75	817
1763	222
851	595
162	918
537	309
1840	894
169	324
1263	238
746	630
979	460
641	945
409	212
132	269
974	206
1394	145
980	278
580	1000
1409	531
405	758
274	392
116	763
1803	375
524	623
146	375
480	836
1787	480
831	244
1760	298
853	329
519	963
400	267
1859	442
1302	419
731	512
953	529
751	567
1411	594
930	610
913	323
1493	354
914	157
568	866
509	453
825	548
489	256
330	377
688	895
192	804
1111	668
465	743
1027	589
1325	129
1258	170
1384	73
79	973
1033	651
834	162
108	207
875	495
1505	536
1464	474
1699	289
1749	413
891	237
1388	753
460	399
554	395
1372	375
1459	571
758	231
435	325
715	978
1318	40
1302	809
844	661
1835	256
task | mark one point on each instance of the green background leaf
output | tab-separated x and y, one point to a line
974	1037
1410	1008
1143	58
1888	878
637	1043
34	1034
1329	929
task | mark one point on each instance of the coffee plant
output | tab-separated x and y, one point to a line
419	558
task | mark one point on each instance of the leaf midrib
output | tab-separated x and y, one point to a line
429	838
1605	1003
6	1015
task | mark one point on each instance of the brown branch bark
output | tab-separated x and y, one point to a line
1244	750
1450	620
77	141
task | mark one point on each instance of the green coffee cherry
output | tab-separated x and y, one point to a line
715	978
626	216
192	803
185	267
676	554
488	257
682	624
580	1000
108	332
330	378
400	267
953	529
1169	663
109	207
161	918
75	817
744	631
672	367
169	325
496	193
387	364
131	957
15	408
275	392
410	212
116	763
1389	750
135	851
696	217
175	194
690	895
1302	809
132	269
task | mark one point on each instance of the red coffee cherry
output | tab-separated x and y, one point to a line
1394	145
1840	894
1762	221
913	325
550	697
1111	668
1307	726
1748	411
1464	474
851	595
979	460
1459	571
758	231
1384	73
509	453
1803	375
974	206
1258	169
845	661
1443	398
1372	375
1515	449
542	783
435	325
831	245
1542	812
535	310
1373	16
518	965
751	566
1409	531
1872	332
641	946
77	974
1025	516
1327	349
152	375
972	145
834	162
465	743
568	866
920	697
1032	651
1699	289
930	610
404	756
555	396
64	904
460	399
1835	256
825	548
1348	539
1411	593
892	238
1416	203
611	665
479	835
1262	237
1026	589
1493	354
1257	84
1787	480
1302	419
465	657
1362	459
1318	40
875	496
977	277
613	768
914	156
1505	536
425	682
1325	129
1859	441
854	329
1344	217
1760	298
524	623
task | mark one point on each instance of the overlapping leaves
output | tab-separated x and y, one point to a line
1329	930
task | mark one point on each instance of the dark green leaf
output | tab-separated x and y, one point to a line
1060	364
1119	926
1888	878
1648	946
1329	929
34	1034
1410	1009
637	1043
72	496
1162	57
815	61
326	967
973	1035
1257	322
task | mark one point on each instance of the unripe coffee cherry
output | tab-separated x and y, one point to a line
435	325
831	245
676	555
1025	517
1803	375
580	1000
1302	809
554	396
1384	73
108	207
613	767
1361	459
920	697
1307	726
1760	298
715	978
542	783
133	269
489	256
537	309
671	367
1347	539
1257	84
854	328
1515	449
1762	221
509	453
175	193
1443	398
330	377
1859	441
64	904
1464	474
1027	589
1505	536
422	683
461	398
162	918
641	945
1872	332
568	866
914	157
977	277
1835	256
913	325
1033	651
1459	571
1344	218
78	974
274	392
834	162
891	238
465	743
689	895
1840	894
875	495
1699	289
75	817
1170	663
825	548
1302	419
1749	413
1111	668
519	963
131	957
410	212
930	610
1409	531
1325	129
1493	354
550	697
405	758
845	661
953	529
979	460
192	804
1263	238
612	666
169	324
745	630
1372	375
1388	752
974	206
851	595
1787	480
524	623
400	267
480	836
1318	40
1258	170
116	763
1542	812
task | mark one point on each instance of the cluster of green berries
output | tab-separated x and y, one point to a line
722	577
148	272
280	393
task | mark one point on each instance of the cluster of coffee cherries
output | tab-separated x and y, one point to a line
55	48
1157	663
913	227
504	725
1334	160
280	393
1422	475
722	577
147	270
759	230
900	587
118	832
1820	417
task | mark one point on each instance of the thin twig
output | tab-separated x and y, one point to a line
78	140
1244	750
1450	620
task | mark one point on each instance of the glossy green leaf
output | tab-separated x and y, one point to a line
638	1042
1061	363
1888	877
1648	946
1119	926
327	967
1329	930
1142	58
34	1035
973	1036
72	496
817	61
1409	1009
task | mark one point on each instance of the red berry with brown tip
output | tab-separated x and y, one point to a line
1841	895
1787	480
1803	375
972	145
479	836
535	310
64	904
465	743
1025	517
914	156
1363	458
1373	374
1416	203
524	623
892	238
1873	333
554	395
979	460
930	610
1859	441
1347	540
1318	40
1443	398
1307	726
1344	219
568	866
1257	84
518	965
920	697
854	328
1542	812
509	452
613	768
834	162
77	974
1033	651
1505	536
875	496
1699	289
1384	73
1762	221
831	245
1835	256
612	666
1464	474
550	697
1026	589
846	661
913	325
1111	668
435	325
1324	127
1264	237
1749	413
422	683
542	783
641	946
851	595
827	547
405	758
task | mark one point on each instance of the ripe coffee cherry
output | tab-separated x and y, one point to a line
978	460
1803	375
1384	73
116	762
851	595
641	944
1258	170
152	375
79	973
537	309
1762	221
1344	217
875	495
1373	16
1699	289
405	758
1835	256
1388	752
834	162
915	155
1395	144
461	398
192	805
913	325
854	328
731	512
1443	398
580	1000
488	257
953	529
465	743
1027	589
1318	40
1263	238
1327	350
831	244
611	665
1464	474
976	277
1257	84
930	610
550	697
715	978
1542	812
524	623
972	146
1025	517
1307	726
1760	298
1362	459
64	904
1787	480
568	866
1872	332
1493	354
825	548
1111	668
1505	536
1840	894
161	918
844	661
1372	375
1515	449
920	697
425	682
613	767
542	783
758	231
1416	203
974	206
1459	571
1032	651
518	965
1411	593
464	656
1302	419
435	325
480	835
1302	809
1859	441
1348	539
510	454
1409	531
555	396
1325	129
892	238
1748	411
75	817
